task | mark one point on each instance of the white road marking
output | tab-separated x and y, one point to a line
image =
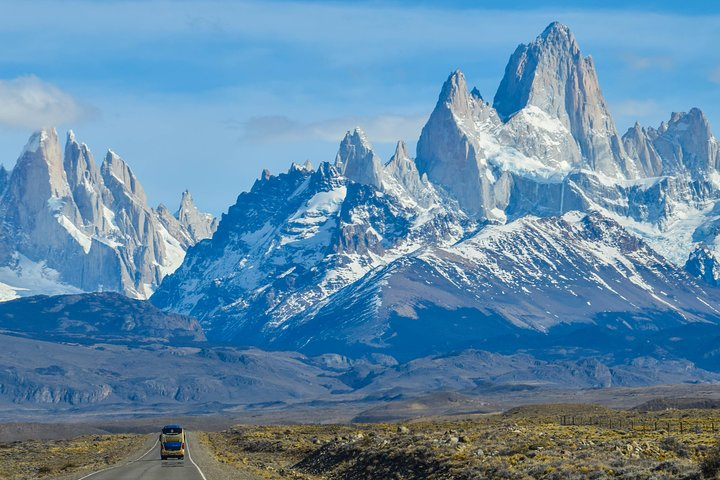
128	463
187	450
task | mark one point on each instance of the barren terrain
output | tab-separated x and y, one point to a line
527	442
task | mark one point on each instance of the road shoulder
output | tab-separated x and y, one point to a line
211	467
135	455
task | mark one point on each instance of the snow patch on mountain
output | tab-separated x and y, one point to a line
22	277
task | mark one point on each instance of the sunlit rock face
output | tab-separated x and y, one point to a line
69	225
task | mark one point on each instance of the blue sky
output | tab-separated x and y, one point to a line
205	94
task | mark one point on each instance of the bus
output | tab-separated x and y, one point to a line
172	442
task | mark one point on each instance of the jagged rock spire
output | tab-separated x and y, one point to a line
448	150
38	176
91	227
639	146
400	164
357	161
402	169
119	178
401	151
199	225
85	181
551	74
686	143
455	95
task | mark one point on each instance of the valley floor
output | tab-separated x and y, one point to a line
663	439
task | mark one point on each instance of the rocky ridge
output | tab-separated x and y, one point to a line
69	226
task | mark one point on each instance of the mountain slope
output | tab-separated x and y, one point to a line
531	275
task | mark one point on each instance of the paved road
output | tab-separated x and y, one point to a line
150	467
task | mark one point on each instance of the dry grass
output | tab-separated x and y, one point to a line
31	459
523	443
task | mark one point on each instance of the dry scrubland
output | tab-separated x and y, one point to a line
31	459
523	443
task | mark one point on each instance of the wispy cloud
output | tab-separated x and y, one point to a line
28	102
715	75
380	128
640	62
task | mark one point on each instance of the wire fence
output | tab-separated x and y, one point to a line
675	425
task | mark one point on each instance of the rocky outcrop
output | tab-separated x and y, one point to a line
4	175
70	226
683	146
448	151
703	264
401	175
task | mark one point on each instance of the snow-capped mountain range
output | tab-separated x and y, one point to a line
523	217
67	225
526	215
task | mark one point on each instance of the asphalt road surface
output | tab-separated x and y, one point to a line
150	467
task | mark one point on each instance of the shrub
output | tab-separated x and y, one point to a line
671	444
710	465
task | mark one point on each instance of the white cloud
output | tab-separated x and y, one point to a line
28	102
715	75
379	128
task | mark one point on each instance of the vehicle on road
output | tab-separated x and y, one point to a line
172	442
